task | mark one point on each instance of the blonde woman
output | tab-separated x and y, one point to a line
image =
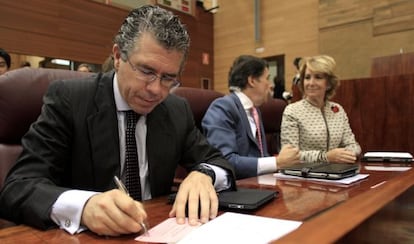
316	125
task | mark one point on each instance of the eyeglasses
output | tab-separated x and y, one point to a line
149	77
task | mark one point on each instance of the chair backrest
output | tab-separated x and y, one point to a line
199	100
21	93
272	112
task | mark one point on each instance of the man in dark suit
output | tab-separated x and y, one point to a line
230	126
73	151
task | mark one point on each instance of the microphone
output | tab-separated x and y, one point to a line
286	95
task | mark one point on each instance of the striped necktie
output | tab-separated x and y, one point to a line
258	131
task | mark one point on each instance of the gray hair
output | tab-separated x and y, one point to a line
165	27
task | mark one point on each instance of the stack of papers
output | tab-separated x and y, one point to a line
386	168
388	156
227	228
345	181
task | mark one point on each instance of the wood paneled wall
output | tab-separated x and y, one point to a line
200	28
355	32
351	31
286	27
71	29
394	17
82	30
380	111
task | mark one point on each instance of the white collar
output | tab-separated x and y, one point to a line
121	104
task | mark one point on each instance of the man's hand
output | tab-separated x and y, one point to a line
113	213
341	155
288	155
198	192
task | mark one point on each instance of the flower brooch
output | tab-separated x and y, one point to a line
335	108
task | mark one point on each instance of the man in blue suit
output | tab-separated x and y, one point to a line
230	126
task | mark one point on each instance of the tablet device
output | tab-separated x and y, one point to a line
241	199
245	198
331	171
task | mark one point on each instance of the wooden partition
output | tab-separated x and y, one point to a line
399	64
381	111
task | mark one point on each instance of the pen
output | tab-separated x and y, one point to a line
375	186
122	188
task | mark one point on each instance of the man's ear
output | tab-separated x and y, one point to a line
116	53
250	81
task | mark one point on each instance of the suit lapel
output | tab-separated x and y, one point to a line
161	146
158	133
243	117
103	133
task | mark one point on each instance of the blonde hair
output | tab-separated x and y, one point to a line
322	64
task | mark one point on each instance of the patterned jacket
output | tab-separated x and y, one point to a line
316	132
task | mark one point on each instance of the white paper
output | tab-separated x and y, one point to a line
240	228
266	179
388	155
167	231
386	168
346	181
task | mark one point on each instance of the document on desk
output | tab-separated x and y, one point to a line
167	231
345	181
240	228
226	228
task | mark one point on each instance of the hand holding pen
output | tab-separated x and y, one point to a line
121	187
113	213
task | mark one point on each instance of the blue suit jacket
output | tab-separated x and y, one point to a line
226	127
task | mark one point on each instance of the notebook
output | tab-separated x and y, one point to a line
331	171
387	157
241	199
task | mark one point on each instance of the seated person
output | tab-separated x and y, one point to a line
279	87
317	126
84	68
65	174
5	61
229	122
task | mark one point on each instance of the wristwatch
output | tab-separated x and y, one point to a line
205	169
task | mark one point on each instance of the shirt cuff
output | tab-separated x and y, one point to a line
222	180
67	210
266	165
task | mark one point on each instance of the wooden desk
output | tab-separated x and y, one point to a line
372	216
330	213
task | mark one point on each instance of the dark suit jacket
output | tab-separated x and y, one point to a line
74	144
226	127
